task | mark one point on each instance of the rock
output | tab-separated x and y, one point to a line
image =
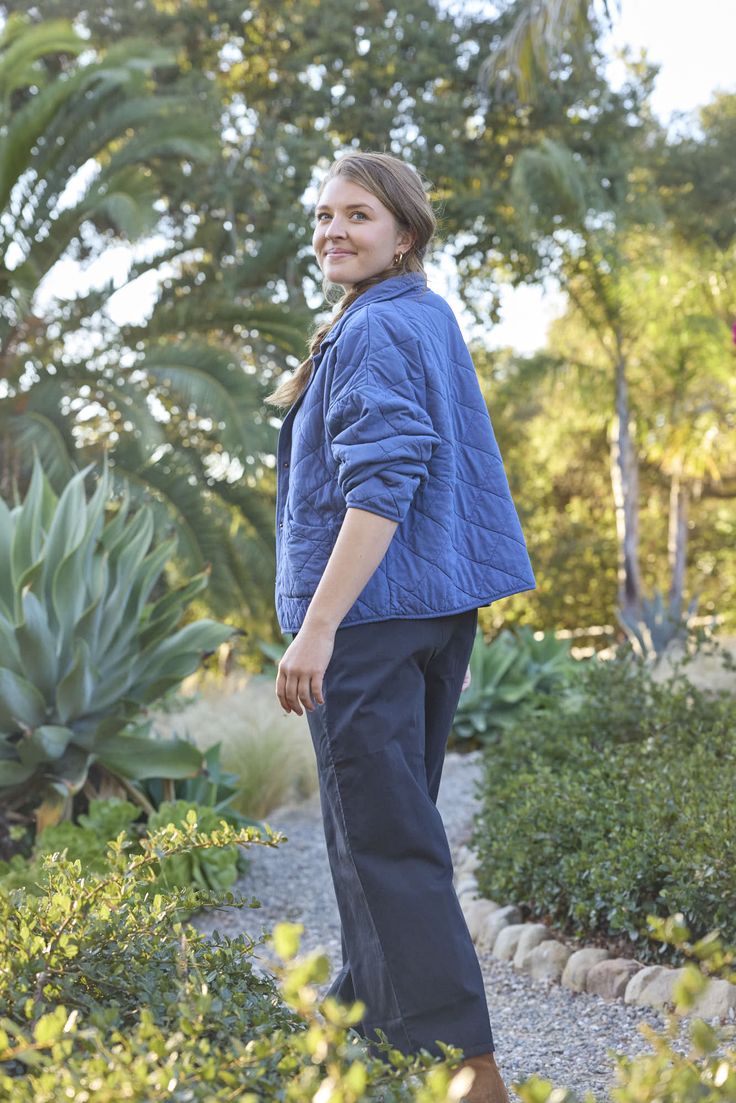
501	917
505	945
467	883
610	978
717	999
548	960
468	897
476	912
579	965
466	860
531	937
653	986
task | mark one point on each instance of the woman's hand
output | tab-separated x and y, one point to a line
302	669
360	546
466	680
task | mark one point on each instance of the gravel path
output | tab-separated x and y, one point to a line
539	1028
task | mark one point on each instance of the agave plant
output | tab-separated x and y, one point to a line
657	626
514	670
82	649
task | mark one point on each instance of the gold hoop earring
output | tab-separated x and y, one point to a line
398	258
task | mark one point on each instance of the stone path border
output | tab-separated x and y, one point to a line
533	949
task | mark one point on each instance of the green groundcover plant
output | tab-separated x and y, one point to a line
617	803
104	995
88	839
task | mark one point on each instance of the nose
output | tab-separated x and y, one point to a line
335	228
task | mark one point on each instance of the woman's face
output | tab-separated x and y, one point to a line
355	236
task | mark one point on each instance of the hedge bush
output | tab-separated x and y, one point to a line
87	842
105	996
617	803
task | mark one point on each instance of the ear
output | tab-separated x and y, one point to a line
405	241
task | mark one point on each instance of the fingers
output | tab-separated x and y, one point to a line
305	692
294	691
281	691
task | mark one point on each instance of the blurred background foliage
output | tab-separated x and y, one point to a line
183	138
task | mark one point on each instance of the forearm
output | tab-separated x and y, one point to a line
360	546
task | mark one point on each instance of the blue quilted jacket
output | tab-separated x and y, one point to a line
393	421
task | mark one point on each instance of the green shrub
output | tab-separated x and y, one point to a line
615	804
87	842
213	787
514	673
210	869
83	649
104	995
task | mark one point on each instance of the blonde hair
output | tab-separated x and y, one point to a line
402	191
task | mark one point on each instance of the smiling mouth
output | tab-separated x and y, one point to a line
341	254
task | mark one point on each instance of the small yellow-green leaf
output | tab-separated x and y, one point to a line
50	1027
356	1078
703	1036
286	939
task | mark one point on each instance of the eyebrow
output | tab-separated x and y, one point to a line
350	207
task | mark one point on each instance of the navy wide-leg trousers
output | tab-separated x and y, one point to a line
390	692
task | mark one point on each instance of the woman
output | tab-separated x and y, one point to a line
394	524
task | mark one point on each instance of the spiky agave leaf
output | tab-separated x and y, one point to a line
83	647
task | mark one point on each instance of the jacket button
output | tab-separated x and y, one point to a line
286	463
281	524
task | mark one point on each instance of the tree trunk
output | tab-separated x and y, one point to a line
677	540
625	484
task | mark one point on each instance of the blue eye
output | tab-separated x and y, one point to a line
318	217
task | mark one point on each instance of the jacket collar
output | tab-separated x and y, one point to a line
386	289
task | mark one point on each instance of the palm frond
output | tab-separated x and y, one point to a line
209	310
23	43
35	421
541	29
172	488
209	379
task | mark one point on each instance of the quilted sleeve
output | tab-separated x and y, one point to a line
382	441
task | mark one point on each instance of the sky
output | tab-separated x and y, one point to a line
693	43
692	39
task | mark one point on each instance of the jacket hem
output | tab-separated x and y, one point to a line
397	615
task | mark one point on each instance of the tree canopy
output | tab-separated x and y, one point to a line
198	154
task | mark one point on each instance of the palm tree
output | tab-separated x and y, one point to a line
540	31
83	138
583	230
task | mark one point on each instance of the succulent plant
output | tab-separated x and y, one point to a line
657	626
514	670
82	649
